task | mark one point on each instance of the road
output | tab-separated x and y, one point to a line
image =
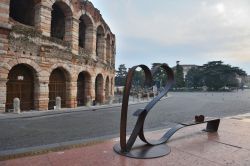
104	123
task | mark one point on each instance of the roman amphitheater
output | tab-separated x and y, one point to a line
54	48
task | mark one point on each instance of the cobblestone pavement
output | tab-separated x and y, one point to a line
104	123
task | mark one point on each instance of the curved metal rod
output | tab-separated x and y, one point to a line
142	113
150	105
212	125
123	125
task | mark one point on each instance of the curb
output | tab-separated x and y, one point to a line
35	114
56	147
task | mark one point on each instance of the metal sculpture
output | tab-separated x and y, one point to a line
150	148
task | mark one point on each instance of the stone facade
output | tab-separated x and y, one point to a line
54	48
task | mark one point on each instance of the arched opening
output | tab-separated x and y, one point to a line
108	50
107	89
82	33
86	33
83	88
99	88
23	11
57	87
61	20
100	43
112	53
20	85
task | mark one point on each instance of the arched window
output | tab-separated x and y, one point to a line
61	20
82	33
112	53
100	42
108	50
86	32
23	11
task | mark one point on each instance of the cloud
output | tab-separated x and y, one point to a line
201	30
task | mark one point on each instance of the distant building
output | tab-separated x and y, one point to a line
185	67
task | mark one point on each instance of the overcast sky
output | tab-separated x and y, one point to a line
191	31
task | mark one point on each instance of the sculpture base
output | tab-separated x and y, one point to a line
144	151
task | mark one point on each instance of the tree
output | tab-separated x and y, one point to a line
215	75
194	78
179	76
121	74
160	77
138	78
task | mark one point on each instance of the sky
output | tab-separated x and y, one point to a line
189	31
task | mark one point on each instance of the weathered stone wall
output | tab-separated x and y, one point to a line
33	46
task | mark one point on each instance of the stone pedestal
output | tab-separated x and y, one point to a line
88	101
16	105
58	103
111	99
139	97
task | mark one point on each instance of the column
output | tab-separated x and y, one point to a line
41	95
43	19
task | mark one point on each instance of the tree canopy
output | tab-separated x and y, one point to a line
121	74
179	76
215	75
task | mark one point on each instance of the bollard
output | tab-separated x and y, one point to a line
139	97
58	103
88	101
111	99
16	105
148	96
120	99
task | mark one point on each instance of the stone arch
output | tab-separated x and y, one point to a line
13	62
86	32
107	92
61	20
81	13
100	42
99	90
23	11
83	88
59	86
66	69
67	2
22	83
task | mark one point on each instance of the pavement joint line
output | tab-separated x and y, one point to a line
229	145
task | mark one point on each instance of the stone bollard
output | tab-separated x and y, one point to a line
16	105
119	99
111	99
139	97
88	101
58	103
147	96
